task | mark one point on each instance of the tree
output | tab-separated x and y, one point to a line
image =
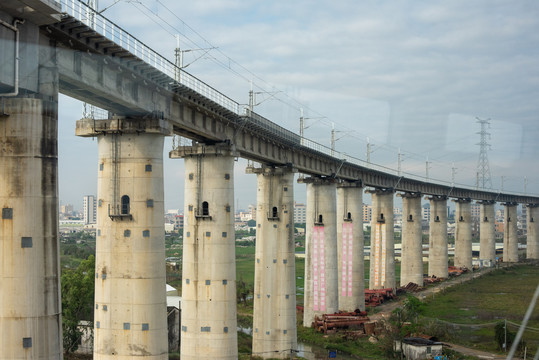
251	223
77	301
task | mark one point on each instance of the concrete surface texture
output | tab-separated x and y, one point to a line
274	314
320	250
209	325
487	235
29	276
532	242
350	242
130	304
463	233
510	238
382	258
438	237
412	243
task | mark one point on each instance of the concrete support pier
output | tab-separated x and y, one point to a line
510	237
487	232
532	241
350	246
321	284
274	315
412	240
130	319
30	321
209	325
463	233
382	258
438	237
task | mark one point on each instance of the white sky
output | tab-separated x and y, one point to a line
412	75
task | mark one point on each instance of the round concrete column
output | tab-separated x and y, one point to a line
532	241
463	233
487	234
321	282
382	258
130	304
350	246
274	315
30	324
510	238
438	237
412	240
209	325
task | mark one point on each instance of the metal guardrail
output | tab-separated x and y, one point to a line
113	32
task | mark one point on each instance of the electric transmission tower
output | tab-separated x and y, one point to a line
483	168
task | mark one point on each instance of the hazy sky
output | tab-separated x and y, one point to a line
408	75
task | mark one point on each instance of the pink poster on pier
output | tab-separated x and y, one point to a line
376	252
344	259
315	268
322	254
350	256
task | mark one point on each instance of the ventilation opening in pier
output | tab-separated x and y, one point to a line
531	219
485	219
461	218
205	208
349	216
410	217
320	219
274	212
125	205
437	218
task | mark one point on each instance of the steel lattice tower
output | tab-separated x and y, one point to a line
483	168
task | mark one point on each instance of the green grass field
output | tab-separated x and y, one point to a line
499	295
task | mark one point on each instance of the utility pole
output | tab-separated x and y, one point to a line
178	59
427	167
525	185
251	98
369	151
332	138
301	124
483	167
453	172
399	161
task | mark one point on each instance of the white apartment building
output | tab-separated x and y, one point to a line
300	213
89	209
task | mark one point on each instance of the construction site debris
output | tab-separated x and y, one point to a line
330	323
376	297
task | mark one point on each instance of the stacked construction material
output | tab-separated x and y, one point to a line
377	297
456	271
330	323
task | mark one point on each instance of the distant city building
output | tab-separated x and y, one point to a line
367	213
66	209
178	222
300	213
252	210
89	209
397	211
425	212
244	216
476	211
500	215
